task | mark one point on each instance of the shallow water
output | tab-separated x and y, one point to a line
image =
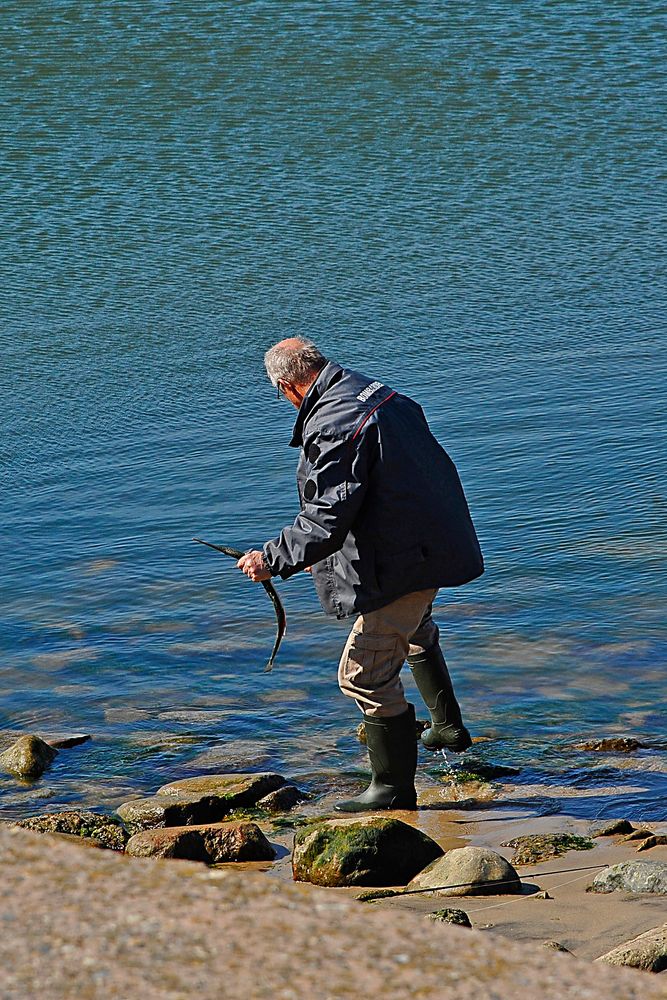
464	203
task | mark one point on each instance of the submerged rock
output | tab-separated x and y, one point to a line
647	952
65	742
213	843
615	826
475	769
456	793
632	876
469	871
451	916
206	799
106	830
612	744
369	850
29	757
536	847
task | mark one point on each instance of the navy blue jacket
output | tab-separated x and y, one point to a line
382	507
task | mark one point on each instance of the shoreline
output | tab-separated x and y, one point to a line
85	922
476	813
587	924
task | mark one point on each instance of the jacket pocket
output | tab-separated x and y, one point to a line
393	565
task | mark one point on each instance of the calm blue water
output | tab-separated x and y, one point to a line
466	201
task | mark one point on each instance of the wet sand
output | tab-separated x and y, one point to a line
587	924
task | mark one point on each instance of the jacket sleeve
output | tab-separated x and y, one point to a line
332	497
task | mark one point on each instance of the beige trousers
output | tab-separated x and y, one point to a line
370	667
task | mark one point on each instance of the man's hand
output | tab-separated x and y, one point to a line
253	565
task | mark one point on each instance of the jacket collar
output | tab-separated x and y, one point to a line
330	374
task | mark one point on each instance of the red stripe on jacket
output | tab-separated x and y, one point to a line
371	412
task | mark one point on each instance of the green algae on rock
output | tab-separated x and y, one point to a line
29	757
536	847
106	830
450	915
372	850
213	843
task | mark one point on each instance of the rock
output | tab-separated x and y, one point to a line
29	757
79	923
374	894
457	792
206	799
536	847
556	946
469	871
212	843
612	744
282	800
653	841
641	834
67	741
72	838
420	726
648	951
475	769
615	826
542	895
368	850
238	789
104	829
451	916
632	876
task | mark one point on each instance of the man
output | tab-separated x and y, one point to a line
383	524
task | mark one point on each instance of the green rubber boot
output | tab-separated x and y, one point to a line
392	751
447	731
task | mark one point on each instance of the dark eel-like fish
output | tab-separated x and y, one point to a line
281	617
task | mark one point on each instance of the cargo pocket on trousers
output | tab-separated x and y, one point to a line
371	659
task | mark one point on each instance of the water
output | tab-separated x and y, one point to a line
464	201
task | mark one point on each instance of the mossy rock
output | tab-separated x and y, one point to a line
485	770
105	830
450	915
374	851
536	847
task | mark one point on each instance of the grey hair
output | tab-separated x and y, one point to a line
295	361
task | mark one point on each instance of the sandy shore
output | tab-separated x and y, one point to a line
587	924
89	923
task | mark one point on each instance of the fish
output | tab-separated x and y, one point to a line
281	617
